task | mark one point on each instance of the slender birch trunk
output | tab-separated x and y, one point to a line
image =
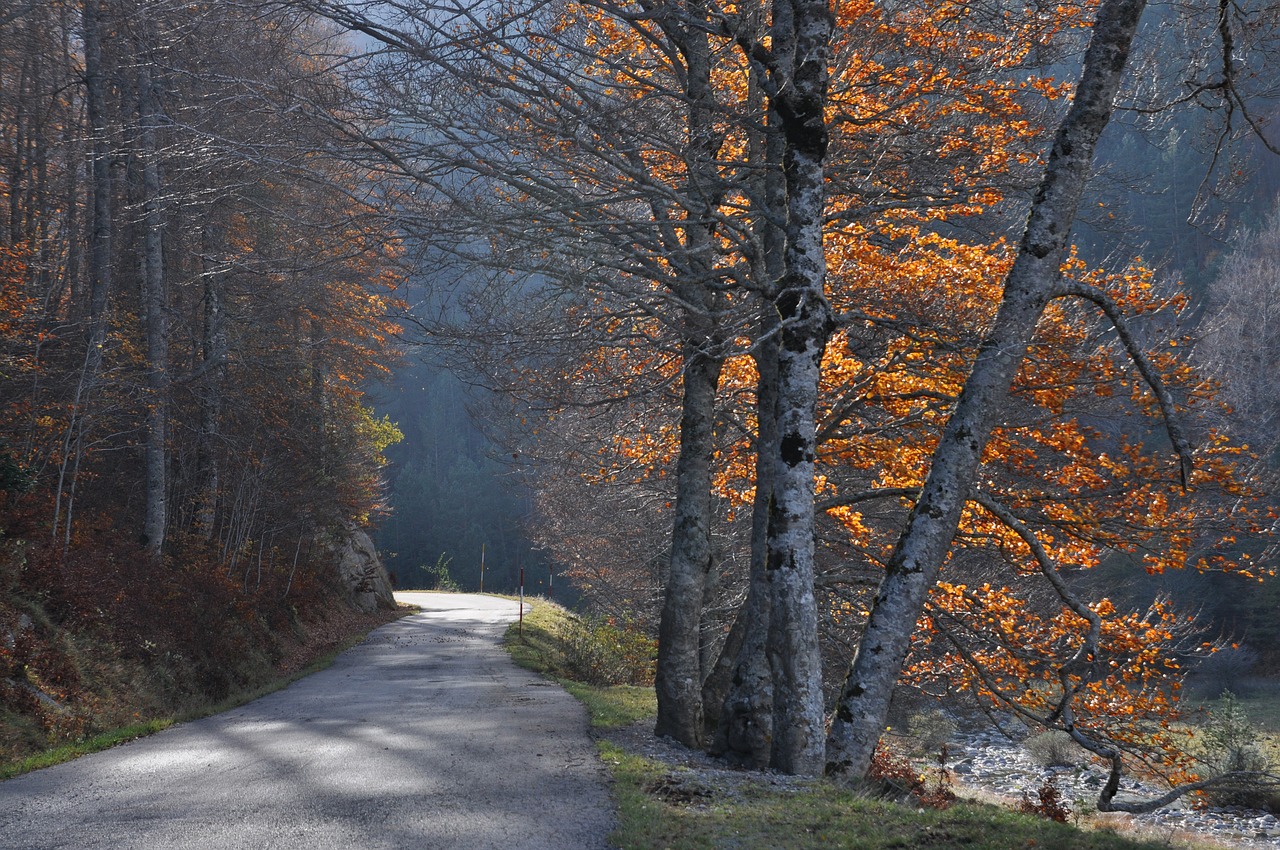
923	546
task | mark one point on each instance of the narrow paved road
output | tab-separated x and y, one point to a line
424	736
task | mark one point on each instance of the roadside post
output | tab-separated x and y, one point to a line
520	628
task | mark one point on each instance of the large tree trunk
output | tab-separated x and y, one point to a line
744	728
923	546
801	36
744	721
154	303
680	673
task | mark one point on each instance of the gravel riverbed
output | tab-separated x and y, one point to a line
989	763
994	764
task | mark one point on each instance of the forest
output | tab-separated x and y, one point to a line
835	346
197	291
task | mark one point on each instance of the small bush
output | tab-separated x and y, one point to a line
1053	749
1232	744
932	729
597	651
440	575
899	778
1048	803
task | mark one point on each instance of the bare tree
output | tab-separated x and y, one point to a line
1239	342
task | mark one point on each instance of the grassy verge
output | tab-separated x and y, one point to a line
538	644
307	659
659	807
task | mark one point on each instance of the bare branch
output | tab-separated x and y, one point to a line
869	495
1150	375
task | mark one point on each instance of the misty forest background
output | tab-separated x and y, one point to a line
454	488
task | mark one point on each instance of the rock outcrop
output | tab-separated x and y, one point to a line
360	568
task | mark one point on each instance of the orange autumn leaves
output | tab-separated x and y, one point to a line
1125	693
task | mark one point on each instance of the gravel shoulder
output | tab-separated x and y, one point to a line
424	736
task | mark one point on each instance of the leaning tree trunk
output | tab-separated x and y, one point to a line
801	36
923	546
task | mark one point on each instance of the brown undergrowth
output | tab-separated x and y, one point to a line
101	638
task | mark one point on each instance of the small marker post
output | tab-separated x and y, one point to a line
520	628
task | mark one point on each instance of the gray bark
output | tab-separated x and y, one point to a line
211	396
744	727
155	521
716	683
924	543
679	676
801	38
744	730
679	673
99	266
100	240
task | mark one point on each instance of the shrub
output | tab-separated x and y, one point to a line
1232	744
899	778
1053	749
440	575
932	729
597	651
1048	803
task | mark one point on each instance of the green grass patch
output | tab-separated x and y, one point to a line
615	706
92	744
539	644
534	642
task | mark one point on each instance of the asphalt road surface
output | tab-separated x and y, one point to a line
424	736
